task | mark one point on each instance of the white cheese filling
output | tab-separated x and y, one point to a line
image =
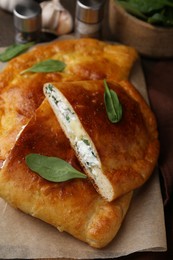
78	137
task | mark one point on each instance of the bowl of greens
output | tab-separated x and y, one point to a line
146	25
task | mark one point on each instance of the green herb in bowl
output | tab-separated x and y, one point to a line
157	12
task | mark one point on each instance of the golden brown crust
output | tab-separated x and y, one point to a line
72	206
129	149
20	95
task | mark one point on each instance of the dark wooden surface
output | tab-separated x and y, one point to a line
152	70
6	29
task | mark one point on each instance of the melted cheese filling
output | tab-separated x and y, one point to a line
78	137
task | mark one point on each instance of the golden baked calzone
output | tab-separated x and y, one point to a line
118	157
73	206
127	150
90	209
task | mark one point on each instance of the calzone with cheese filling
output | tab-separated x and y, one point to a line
117	157
124	152
73	206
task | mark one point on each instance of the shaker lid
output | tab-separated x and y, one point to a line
90	11
27	16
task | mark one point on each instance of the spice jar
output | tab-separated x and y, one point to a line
27	21
89	16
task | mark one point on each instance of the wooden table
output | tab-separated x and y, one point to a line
157	73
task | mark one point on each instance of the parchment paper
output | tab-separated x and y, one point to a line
22	236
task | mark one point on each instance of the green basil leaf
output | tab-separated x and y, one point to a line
14	50
113	106
163	18
47	66
132	10
157	18
52	168
147	6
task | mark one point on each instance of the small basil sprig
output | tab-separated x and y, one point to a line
46	66
14	50
113	106
52	168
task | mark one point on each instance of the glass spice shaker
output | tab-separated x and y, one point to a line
27	21
89	16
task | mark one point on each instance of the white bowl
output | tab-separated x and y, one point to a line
149	40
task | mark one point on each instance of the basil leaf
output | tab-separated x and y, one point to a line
157	18
14	50
113	106
52	168
46	66
163	18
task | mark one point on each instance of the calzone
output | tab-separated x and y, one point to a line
117	157
90	209
73	206
127	152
